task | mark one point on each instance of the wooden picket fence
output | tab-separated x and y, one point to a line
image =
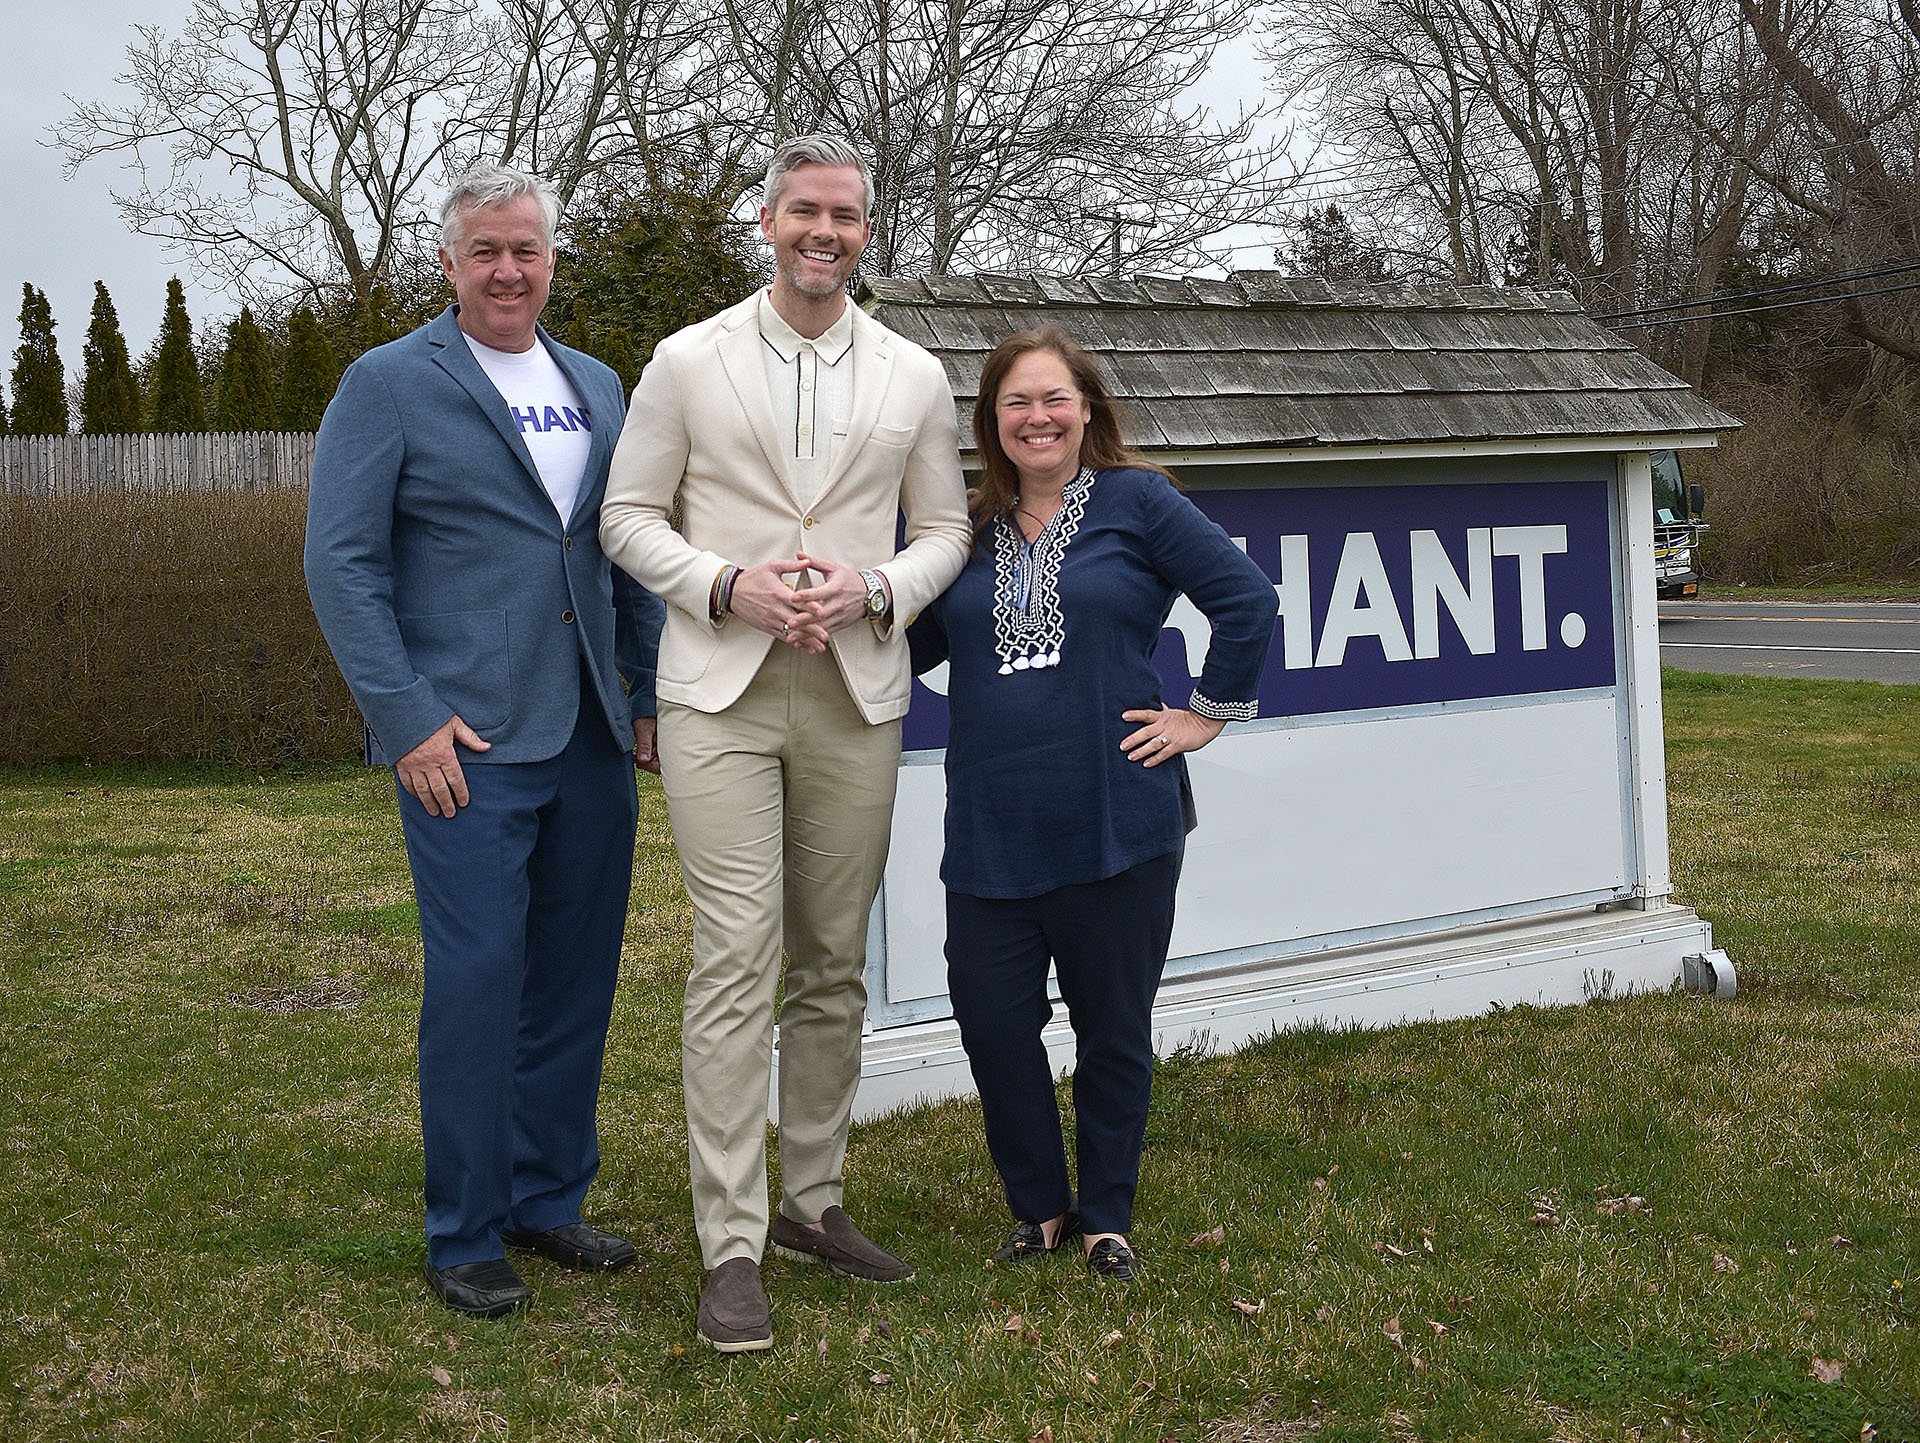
204	461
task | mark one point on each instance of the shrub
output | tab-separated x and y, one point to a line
1797	496
164	626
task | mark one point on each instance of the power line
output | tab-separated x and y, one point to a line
1780	290
1775	306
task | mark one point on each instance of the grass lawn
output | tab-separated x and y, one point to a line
1653	1218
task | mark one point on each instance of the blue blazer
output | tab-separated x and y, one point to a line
444	580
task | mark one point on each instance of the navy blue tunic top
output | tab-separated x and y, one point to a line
1039	794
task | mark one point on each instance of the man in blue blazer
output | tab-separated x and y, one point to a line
505	669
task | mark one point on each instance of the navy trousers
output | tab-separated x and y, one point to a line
523	901
1107	941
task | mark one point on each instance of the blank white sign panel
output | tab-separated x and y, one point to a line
1312	831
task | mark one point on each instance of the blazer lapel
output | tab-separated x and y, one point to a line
456	359
593	481
740	347
872	371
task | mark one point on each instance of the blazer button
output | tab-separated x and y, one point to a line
567	616
808	523
569	543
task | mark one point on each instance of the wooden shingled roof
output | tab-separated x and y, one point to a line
1262	361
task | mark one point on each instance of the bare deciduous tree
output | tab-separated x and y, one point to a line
294	134
1019	134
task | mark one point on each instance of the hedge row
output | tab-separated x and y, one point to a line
163	627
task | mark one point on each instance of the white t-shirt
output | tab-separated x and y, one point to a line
553	420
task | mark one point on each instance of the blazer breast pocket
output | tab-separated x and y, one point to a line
892	435
464	655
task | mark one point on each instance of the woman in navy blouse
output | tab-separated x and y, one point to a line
1067	797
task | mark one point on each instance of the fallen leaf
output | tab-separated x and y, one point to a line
861	1336
1320	1183
879	1380
1826	1371
1438	1328
453	1343
1324	1313
1427	1243
1390	1248
1045	1435
1115	1336
1406	1157
442	1377
1840	1242
1014	1324
1419	1363
1224	1265
1334	1169
1724	1264
822	1347
1395	1334
1143	1385
1211	1238
1241	1305
1093	1378
1617	1206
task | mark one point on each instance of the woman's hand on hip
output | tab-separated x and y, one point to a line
1166	732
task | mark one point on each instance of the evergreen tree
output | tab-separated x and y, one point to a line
109	394
39	380
617	351
177	405
4	430
307	373
652	263
246	401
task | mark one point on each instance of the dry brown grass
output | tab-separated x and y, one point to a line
147	627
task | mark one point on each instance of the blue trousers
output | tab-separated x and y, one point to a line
1107	942
523	901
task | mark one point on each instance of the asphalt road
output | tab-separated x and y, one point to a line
1858	641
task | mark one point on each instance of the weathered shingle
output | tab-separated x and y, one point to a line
1262	360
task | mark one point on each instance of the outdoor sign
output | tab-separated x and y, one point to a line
1399	595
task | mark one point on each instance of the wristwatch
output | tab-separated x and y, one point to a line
877	599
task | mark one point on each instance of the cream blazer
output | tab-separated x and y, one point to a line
701	429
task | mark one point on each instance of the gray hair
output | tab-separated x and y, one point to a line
813	150
487	183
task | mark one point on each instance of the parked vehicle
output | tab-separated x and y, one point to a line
1677	508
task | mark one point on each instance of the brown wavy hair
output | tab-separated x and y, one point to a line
1100	444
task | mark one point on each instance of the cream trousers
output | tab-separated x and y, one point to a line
782	806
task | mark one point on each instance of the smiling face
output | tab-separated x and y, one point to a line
501	268
1040	417
818	228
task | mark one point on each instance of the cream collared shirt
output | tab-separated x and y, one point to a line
811	385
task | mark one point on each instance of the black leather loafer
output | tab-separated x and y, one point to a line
580	1246
1028	1241
489	1289
1111	1258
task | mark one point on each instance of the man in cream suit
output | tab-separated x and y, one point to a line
795	432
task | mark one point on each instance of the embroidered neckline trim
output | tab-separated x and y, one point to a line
1030	640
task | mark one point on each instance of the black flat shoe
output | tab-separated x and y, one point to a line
1111	1258
489	1289
1028	1241
581	1246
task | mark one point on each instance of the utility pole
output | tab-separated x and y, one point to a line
1116	220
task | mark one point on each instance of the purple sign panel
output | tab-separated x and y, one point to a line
1393	596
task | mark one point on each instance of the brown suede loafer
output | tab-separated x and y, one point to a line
581	1246
488	1289
733	1308
840	1246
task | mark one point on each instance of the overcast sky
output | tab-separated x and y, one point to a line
63	235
